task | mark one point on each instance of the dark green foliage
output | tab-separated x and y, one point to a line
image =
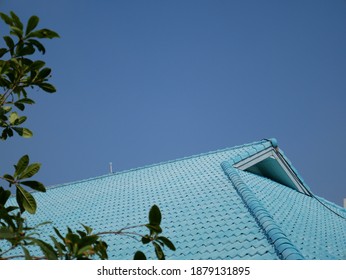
18	72
154	233
155	216
139	256
167	242
32	23
23	171
79	245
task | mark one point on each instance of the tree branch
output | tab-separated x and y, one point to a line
22	256
3	253
121	231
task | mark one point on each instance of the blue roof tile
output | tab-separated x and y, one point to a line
316	231
260	214
209	211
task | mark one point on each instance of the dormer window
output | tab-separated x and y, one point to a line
270	163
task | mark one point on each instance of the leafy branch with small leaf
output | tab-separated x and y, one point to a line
18	74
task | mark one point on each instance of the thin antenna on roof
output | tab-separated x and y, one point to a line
110	168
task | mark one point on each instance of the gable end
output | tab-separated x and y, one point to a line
271	164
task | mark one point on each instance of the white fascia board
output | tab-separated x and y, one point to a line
291	174
254	159
271	152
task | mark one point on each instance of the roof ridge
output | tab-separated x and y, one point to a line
157	164
283	246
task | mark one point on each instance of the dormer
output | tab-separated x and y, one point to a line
271	163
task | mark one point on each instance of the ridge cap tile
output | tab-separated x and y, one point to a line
252	201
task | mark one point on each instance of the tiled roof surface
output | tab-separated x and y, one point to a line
203	213
314	229
276	236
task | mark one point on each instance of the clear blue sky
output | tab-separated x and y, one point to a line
141	82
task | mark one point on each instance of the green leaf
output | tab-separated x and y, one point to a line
27	133
4	195
16	31
152	228
9	42
20	120
46	249
4	68
146	239
158	251
26	61
26	253
2	52
26	101
101	250
9	179
88	240
5	82
32	23
9	132
45	72
6	19
139	256
58	233
155	216
59	246
37	65
167	242
19	105
6	233
30	171
75	248
43	223
35	185
81	233
50	34
38	45
26	200
47	87
6	132
16	21
11	208
43	33
23	51
6	109
22	164
24	132
84	249
87	229
23	91
13	117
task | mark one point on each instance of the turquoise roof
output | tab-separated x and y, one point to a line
211	210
